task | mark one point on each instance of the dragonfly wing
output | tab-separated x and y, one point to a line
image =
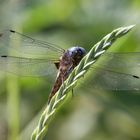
122	58
27	66
112	80
121	62
118	71
21	45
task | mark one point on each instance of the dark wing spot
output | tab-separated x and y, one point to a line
1	34
135	76
12	31
4	56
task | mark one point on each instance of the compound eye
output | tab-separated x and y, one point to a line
74	52
80	51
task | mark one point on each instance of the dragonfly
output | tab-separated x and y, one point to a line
26	56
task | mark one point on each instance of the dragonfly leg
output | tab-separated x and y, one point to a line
72	93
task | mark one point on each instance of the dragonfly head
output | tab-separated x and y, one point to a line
77	53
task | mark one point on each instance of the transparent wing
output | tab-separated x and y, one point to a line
12	42
111	80
117	71
122	59
27	66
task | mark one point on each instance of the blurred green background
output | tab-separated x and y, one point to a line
91	115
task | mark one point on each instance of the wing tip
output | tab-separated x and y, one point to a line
135	76
1	34
12	31
3	55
